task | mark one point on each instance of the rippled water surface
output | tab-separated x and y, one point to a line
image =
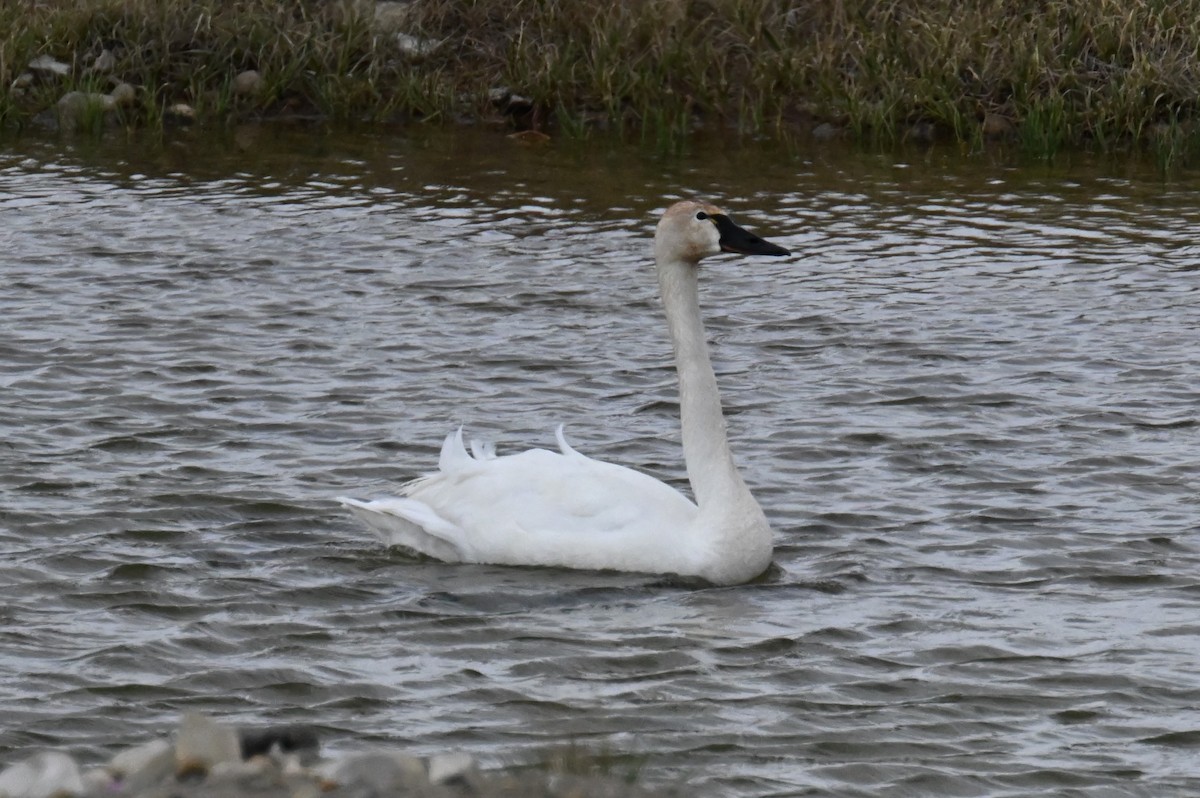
970	406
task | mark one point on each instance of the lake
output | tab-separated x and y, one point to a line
969	404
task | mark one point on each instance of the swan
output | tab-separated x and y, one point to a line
565	509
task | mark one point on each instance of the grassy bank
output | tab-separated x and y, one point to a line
1044	75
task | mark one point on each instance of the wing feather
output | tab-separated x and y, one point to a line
555	508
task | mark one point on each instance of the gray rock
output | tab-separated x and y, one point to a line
997	126
44	775
23	81
518	103
123	95
202	744
248	83
98	781
105	62
415	48
826	132
249	770
383	771
181	113
389	16
139	767
445	768
75	106
48	65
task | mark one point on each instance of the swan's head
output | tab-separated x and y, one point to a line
689	231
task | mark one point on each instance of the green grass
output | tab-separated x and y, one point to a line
1113	75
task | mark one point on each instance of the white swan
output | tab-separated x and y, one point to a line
564	509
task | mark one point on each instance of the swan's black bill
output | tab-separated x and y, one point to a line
737	239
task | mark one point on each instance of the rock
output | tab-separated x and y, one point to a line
75	107
182	113
499	96
23	81
826	132
259	766
248	83
202	744
49	66
98	781
505	100
383	772
414	48
996	126
290	765
123	95
529	138
390	16
259	777
445	768
519	104
279	739
45	775
140	767
105	62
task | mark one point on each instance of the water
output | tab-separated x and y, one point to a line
970	406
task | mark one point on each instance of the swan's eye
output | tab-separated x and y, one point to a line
701	215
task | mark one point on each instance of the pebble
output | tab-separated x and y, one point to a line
105	62
414	48
208	759
202	744
248	83
143	765
74	106
382	771
388	16
826	132
44	775
182	113
996	126
518	104
49	65
445	768
123	95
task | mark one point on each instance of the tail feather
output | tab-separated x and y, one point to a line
483	450
411	524
454	454
563	446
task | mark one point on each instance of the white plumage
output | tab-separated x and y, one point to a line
565	509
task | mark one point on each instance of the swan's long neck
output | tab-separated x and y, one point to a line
710	466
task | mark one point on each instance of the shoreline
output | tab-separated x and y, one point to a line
208	759
1069	74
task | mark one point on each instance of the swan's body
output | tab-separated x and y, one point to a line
564	509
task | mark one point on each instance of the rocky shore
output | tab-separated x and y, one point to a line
209	759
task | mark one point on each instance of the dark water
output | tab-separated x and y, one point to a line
970	406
